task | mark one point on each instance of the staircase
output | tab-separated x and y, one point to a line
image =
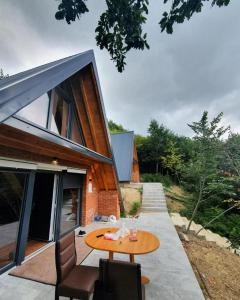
153	198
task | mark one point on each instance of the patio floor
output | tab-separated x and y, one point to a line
168	268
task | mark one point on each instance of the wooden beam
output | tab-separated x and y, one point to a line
89	116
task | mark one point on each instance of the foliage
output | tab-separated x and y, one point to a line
165	180
123	214
208	167
70	10
159	137
115	128
120	27
172	159
135	207
230	161
162	150
182	10
202	168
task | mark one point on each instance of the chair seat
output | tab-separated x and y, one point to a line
79	282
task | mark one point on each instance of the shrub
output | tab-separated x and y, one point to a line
135	207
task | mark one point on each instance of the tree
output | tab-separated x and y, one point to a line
115	128
2	76
172	159
203	168
231	160
120	27
158	136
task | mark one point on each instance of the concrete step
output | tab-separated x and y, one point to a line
154	195
154	206
154	202
153	209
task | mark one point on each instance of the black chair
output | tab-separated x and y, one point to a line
72	281
119	280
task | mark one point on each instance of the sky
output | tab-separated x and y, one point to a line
196	68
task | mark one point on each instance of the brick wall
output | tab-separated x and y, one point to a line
108	203
98	202
90	201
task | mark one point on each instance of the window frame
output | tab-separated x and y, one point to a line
72	113
24	218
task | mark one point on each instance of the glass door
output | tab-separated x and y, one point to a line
12	187
71	202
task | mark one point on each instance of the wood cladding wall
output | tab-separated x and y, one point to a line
88	103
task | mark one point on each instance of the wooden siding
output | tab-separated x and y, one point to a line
19	144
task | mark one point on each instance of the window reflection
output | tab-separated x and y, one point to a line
70	209
37	111
60	111
11	196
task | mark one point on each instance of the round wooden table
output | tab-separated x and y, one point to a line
146	243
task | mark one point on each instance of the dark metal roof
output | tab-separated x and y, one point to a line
122	145
20	90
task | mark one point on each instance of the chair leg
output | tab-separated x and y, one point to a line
56	294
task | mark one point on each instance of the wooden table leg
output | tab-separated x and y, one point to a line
144	279
110	255
131	257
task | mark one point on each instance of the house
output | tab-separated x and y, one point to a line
56	166
125	155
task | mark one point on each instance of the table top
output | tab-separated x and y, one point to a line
147	242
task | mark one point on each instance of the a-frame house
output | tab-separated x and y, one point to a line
56	166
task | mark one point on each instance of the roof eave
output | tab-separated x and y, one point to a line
30	128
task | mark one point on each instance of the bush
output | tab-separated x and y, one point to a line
135	207
165	180
123	214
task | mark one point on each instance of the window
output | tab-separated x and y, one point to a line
56	112
11	198
60	114
37	111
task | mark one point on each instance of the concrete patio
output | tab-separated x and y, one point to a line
171	275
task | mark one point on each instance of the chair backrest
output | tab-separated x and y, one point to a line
122	279
65	255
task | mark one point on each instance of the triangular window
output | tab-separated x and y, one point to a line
56	112
37	111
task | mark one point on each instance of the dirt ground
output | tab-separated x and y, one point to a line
130	195
217	269
174	206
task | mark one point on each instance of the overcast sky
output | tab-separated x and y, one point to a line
195	69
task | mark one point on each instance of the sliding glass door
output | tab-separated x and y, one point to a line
12	188
71	202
